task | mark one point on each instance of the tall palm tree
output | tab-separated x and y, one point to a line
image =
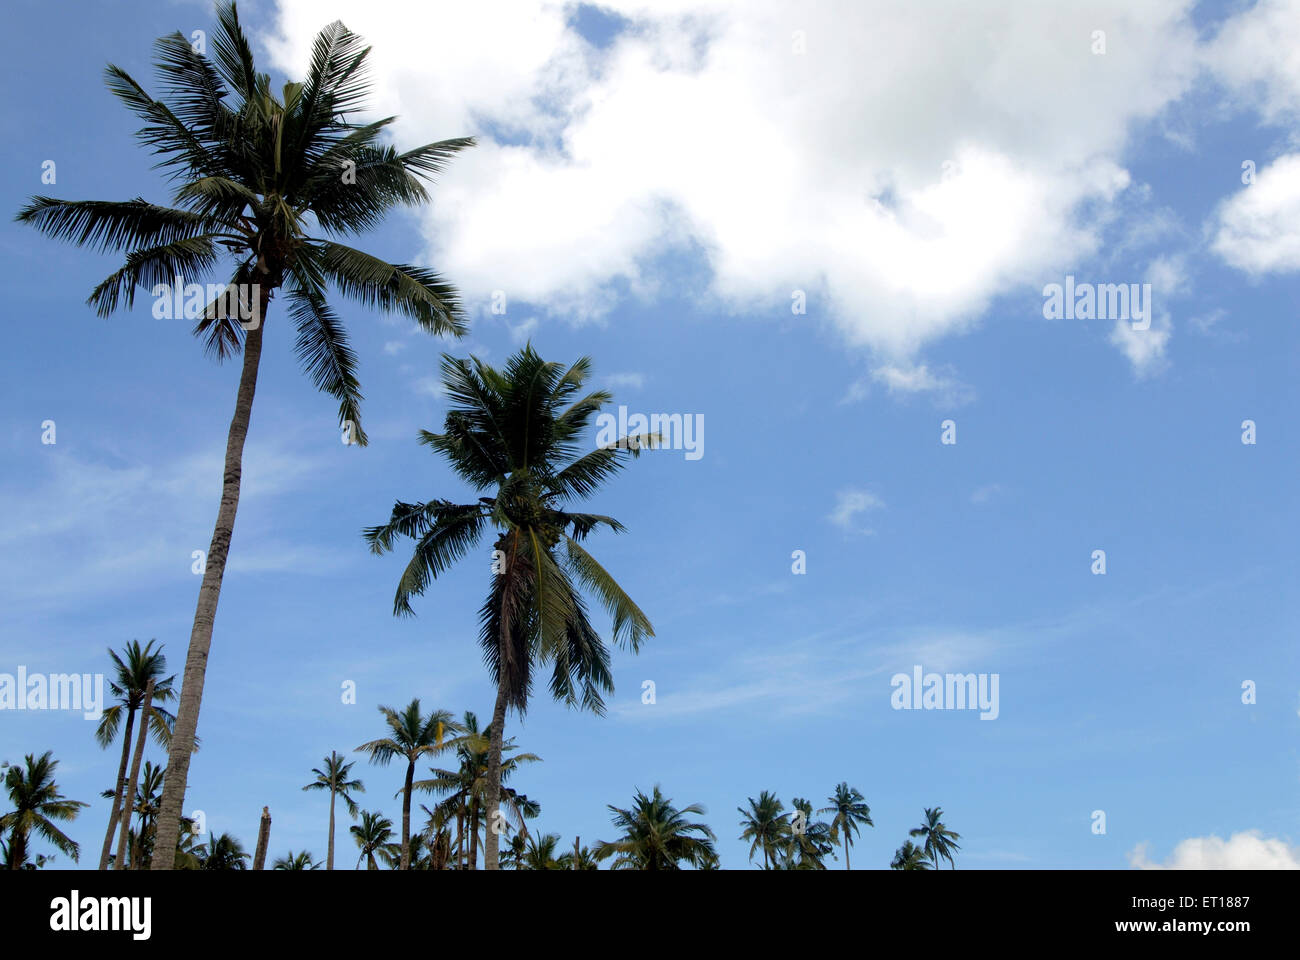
517	433
466	787
131	675
851	813
657	836
541	853
411	737
939	840
223	853
335	778
147	799
765	825
373	834
37	804
296	861
253	173
909	857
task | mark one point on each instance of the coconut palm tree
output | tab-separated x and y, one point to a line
335	778
296	861
657	836
411	737
851	813
373	834
909	857
222	853
466	787
147	799
939	840
582	857
131	674
765	825
541	853
517	433
513	852
37	805
809	841
254	172
436	837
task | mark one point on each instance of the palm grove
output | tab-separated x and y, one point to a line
270	184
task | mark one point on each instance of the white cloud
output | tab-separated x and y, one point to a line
625	381
985	493
1258	228
394	347
850	503
904	191
1257	55
1248	850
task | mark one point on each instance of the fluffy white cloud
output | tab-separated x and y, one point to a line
901	173
1248	850
1258	228
1257	55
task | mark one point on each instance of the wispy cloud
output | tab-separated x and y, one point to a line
849	504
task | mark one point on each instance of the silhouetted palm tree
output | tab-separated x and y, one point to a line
939	840
296	861
765	826
335	777
37	805
851	812
657	836
372	834
909	857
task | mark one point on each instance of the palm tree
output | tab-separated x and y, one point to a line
334	778
296	861
515	432
253	173
657	836
373	834
851	812
37	804
809	841
582	857
541	854
909	857
222	853
132	675
467	785
939	840
765	825
412	736
147	800
436	837
513	852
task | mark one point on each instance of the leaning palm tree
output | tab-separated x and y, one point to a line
851	813
517	433
411	737
131	676
223	853
334	778
939	840
765	826
296	861
657	836
373	835
37	804
909	857
253	173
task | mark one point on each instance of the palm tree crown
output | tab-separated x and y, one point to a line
37	805
851	813
657	836
939	840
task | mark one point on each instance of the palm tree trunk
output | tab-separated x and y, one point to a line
490	851
329	859
121	787
473	834
263	839
406	817
460	837
205	613
847	865
129	800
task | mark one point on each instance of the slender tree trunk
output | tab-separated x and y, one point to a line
121	787
460	838
491	859
473	835
406	817
847	865
17	849
329	860
263	840
196	659
128	802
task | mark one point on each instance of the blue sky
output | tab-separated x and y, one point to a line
1120	692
